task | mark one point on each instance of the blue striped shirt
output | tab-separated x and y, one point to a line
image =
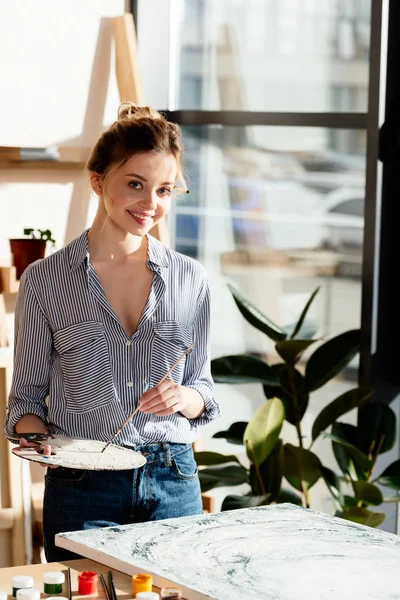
76	368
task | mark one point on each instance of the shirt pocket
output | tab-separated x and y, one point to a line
171	339
85	365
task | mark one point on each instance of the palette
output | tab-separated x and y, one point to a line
278	552
75	453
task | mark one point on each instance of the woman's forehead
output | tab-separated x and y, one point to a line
151	164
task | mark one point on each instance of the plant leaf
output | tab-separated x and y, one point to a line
307	331
350	434
364	516
291	350
242	368
353	452
270	472
330	358
377	428
333	483
262	432
235	502
286	495
214	458
256	318
299	461
391	476
234	434
349	502
367	492
289	377
339	407
304	313
222	476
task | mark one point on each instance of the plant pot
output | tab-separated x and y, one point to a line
26	251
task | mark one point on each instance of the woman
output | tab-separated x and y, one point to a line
99	323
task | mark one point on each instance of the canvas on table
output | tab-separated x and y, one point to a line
273	552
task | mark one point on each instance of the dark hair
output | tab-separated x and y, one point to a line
138	129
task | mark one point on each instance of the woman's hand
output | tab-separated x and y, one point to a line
32	424
44	450
169	398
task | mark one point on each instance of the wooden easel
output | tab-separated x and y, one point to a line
129	82
8	285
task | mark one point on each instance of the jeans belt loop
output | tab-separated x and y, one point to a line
167	455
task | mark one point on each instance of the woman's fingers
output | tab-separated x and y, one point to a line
44	450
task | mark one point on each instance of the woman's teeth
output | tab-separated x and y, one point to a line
139	216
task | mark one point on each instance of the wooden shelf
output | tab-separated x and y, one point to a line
41	164
69	158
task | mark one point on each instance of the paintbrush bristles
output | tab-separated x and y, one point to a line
138	407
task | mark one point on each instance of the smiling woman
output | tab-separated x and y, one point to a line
138	192
99	323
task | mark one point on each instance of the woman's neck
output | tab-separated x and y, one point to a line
108	243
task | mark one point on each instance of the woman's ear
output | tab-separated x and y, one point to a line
96	183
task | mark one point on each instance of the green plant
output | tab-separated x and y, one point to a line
287	389
40	234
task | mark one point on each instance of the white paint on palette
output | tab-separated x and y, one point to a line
278	552
75	453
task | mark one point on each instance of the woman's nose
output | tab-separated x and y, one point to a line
149	200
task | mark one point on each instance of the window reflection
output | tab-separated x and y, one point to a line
274	55
275	206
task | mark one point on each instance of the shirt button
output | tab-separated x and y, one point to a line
129	384
129	343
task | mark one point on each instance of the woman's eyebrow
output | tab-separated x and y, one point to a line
144	179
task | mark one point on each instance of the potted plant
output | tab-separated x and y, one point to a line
282	472
26	250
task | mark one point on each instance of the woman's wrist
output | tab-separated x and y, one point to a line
194	403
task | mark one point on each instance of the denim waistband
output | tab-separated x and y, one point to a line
160	452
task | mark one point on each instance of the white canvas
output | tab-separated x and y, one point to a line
278	552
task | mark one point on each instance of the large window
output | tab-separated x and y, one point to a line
274	101
272	55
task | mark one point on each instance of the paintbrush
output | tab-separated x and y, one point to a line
112	586
137	408
103	581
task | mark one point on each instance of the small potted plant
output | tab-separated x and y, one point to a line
26	250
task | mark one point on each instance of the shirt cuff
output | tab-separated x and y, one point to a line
211	410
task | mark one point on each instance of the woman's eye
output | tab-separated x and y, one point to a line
135	185
164	191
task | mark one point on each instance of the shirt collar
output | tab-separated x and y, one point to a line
157	253
78	250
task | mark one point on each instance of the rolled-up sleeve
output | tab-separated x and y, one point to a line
198	364
32	356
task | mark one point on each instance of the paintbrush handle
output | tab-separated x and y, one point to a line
103	581
138	407
112	586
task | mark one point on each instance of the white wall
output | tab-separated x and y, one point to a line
58	87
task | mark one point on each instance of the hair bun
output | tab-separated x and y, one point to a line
131	111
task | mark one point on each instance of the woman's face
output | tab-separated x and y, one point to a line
138	194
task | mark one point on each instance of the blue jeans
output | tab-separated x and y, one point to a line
166	486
